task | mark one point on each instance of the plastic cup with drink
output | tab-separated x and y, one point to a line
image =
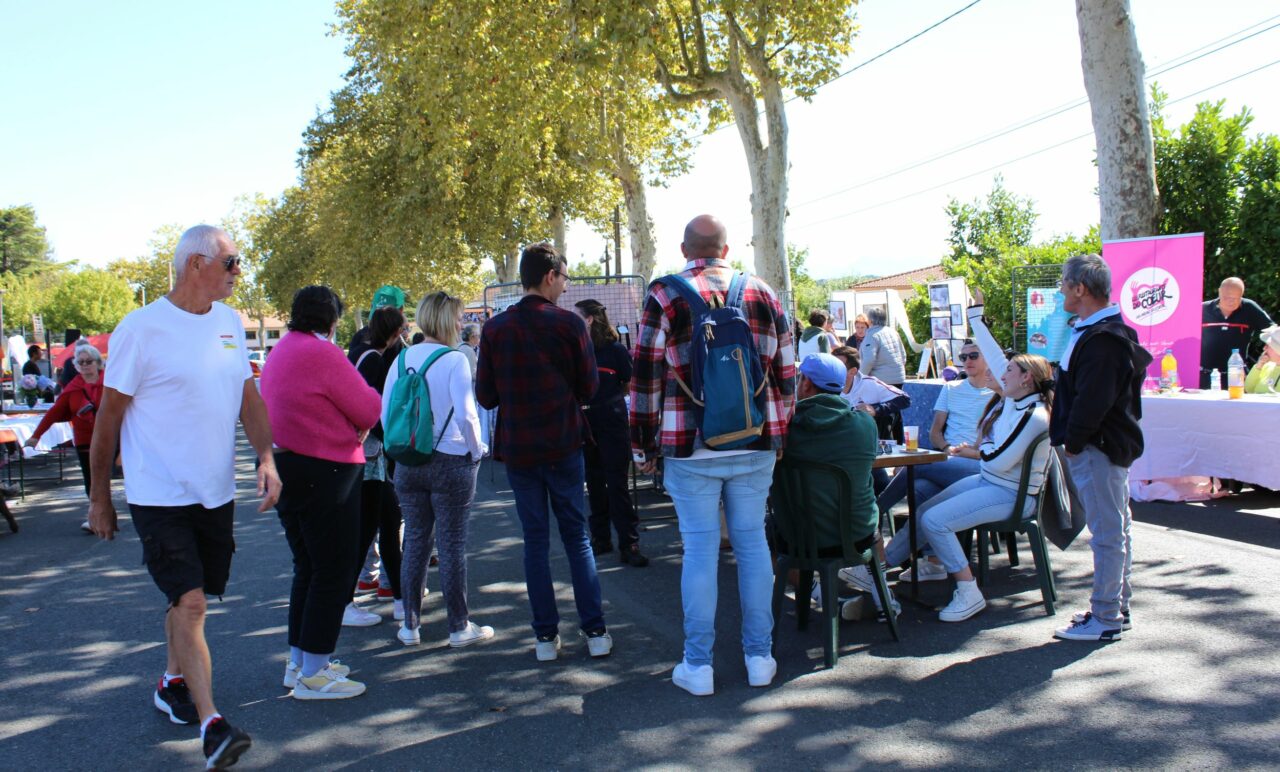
911	436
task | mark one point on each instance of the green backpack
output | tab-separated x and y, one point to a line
408	433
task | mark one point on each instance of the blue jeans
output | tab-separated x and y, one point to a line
697	488
967	504
1104	490
561	483
931	479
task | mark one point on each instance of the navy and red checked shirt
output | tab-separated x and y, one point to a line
537	365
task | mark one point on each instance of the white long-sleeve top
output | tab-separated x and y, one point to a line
1020	422
450	385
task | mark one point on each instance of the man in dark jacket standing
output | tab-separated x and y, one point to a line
538	368
1096	410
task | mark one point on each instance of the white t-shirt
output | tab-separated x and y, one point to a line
963	404
450	385
186	373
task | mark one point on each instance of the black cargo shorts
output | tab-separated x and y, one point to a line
186	547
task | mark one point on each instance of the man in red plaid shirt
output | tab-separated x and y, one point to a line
537	368
698	478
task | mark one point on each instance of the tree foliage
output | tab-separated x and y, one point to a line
92	300
23	246
151	271
1216	179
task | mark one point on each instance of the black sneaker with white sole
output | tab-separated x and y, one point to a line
175	702
224	744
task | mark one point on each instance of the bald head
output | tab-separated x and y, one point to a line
704	237
1230	295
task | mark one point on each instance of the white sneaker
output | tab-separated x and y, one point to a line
929	571
1087	627
599	645
761	670
397	610
292	669
860	577
698	681
547	651
354	616
965	602
408	637
472	634
326	685
85	527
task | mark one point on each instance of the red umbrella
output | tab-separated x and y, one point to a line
99	342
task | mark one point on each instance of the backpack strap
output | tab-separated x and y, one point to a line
685	289
737	289
400	362
431	360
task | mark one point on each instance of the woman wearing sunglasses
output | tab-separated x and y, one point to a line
78	404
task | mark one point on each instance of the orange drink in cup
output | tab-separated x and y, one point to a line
911	434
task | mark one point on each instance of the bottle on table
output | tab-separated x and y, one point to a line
1168	371
1235	375
1215	380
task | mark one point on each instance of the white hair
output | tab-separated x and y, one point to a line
198	240
89	349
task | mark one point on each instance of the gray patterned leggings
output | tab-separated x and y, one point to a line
438	493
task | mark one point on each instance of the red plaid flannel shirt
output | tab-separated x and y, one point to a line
661	413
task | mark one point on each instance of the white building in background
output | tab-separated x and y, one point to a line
272	329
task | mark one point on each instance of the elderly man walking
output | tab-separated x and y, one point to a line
664	422
1096	410
179	380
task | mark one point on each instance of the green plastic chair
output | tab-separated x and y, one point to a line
1030	525
795	520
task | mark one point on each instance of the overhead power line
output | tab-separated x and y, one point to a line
1051	113
1001	165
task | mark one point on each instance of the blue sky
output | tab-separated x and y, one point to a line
120	118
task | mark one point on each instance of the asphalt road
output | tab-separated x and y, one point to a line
1192	686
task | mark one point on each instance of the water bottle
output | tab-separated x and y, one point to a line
1235	375
1168	371
1215	381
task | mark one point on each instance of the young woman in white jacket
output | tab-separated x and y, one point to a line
1010	423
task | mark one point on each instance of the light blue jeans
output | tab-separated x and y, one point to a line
931	479
1104	491
966	504
697	488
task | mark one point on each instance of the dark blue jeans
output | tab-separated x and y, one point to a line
541	491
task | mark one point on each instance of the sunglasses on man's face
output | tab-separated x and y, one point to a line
966	357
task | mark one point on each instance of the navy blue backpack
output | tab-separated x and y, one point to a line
726	377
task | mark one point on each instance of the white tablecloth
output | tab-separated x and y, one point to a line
1208	434
25	425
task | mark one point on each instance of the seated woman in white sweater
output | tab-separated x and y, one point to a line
1007	428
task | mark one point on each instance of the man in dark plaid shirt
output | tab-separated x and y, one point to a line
537	367
698	478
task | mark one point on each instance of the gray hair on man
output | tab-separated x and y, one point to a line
1090	272
470	332
876	316
197	240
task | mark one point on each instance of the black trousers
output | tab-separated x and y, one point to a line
319	508
82	455
607	464
380	513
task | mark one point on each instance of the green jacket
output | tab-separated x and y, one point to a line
1264	378
826	428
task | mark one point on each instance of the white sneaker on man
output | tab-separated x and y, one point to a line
929	571
408	637
472	634
600	644
761	670
965	602
698	681
548	650
354	616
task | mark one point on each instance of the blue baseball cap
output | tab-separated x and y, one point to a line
826	372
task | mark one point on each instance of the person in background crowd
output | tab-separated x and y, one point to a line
882	354
418	337
32	365
608	457
860	326
954	431
882	402
68	372
1096	416
436	496
378	516
470	346
537	363
178	383
1230	322
816	338
1264	378
78	404
700	479
321	409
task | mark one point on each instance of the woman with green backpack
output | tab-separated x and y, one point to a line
431	429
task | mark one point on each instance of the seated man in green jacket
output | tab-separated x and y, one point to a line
826	428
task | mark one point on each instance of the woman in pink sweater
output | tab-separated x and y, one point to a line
320	411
